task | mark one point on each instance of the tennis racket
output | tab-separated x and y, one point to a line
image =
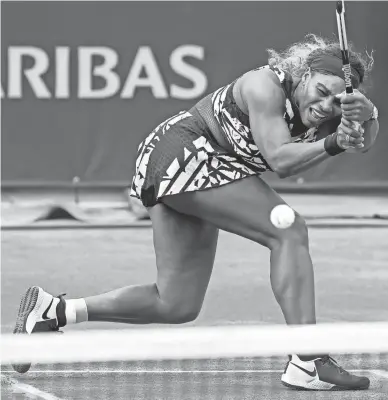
340	12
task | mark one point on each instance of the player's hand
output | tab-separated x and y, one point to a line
348	137
355	107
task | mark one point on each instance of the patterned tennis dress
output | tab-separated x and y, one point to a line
182	155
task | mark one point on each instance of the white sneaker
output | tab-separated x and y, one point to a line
320	374
39	311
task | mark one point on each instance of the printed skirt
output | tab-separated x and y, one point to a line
181	155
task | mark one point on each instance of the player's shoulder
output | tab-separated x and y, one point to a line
262	86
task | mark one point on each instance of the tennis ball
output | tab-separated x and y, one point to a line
282	216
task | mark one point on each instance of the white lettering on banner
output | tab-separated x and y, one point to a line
144	73
62	72
33	74
145	60
87	70
188	71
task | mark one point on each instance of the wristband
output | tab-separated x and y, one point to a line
331	146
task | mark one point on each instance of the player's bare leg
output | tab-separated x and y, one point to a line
243	207
185	249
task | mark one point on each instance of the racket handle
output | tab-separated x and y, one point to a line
349	90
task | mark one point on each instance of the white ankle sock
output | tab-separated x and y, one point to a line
76	311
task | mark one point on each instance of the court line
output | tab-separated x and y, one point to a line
380	372
29	390
172	371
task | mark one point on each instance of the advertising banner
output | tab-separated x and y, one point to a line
83	82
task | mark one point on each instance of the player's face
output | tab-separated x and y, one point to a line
317	102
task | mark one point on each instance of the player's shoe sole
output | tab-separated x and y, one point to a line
27	305
333	388
32	317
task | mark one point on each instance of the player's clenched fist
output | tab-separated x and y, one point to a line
355	107
349	135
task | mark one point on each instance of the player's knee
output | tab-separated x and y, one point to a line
297	233
180	313
185	316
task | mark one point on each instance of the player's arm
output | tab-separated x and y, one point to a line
265	99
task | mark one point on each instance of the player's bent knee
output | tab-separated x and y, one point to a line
296	232
180	314
181	317
184	317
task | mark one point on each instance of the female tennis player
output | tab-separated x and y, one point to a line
199	172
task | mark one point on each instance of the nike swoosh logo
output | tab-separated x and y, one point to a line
44	315
311	373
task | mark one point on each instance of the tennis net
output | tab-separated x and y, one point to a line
224	362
